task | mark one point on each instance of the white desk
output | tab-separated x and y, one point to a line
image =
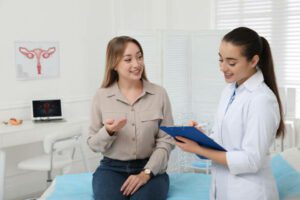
30	132
26	133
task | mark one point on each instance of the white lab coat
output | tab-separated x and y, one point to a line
246	130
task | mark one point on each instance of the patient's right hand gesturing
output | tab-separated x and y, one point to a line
114	125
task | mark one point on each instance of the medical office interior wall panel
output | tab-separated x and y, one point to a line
207	80
176	63
163	14
158	17
44	21
82	29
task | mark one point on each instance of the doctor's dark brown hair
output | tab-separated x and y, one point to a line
253	44
114	53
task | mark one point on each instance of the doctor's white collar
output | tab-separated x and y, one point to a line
251	83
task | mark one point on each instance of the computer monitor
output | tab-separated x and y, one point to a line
46	109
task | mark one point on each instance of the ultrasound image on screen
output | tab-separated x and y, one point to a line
47	108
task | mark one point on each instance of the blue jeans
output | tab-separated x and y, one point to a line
111	174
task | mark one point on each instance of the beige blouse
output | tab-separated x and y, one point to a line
141	137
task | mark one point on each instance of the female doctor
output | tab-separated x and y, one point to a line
248	120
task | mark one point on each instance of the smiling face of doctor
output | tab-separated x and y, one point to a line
235	66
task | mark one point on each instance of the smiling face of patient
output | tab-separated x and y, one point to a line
235	66
131	65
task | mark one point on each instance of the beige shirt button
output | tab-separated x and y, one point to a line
108	104
133	139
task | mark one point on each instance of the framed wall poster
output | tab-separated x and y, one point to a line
37	60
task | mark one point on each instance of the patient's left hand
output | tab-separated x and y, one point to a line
187	145
133	183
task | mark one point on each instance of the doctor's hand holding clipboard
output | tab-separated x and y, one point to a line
187	144
190	137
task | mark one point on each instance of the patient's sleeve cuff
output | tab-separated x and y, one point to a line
101	140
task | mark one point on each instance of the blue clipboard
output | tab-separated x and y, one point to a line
194	134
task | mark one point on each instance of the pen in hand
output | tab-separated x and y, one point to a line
197	126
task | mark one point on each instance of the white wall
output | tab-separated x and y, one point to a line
163	14
82	28
71	23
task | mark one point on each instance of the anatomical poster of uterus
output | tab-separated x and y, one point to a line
37	60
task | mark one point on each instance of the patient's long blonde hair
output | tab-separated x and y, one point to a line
114	52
